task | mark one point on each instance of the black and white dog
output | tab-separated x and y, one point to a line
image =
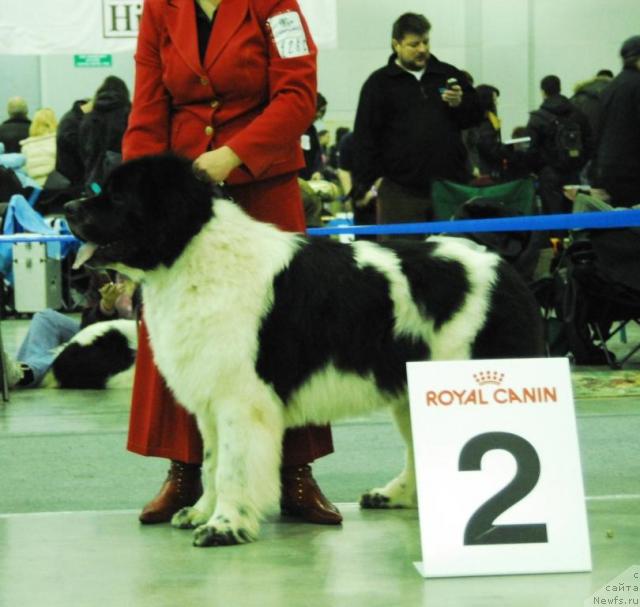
256	330
99	356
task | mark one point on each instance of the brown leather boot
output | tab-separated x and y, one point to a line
301	497
182	488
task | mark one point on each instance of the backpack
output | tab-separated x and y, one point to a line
566	141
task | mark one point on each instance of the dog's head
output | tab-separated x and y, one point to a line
147	212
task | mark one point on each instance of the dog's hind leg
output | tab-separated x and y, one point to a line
250	430
198	514
401	491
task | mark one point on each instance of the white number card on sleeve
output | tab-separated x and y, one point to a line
498	469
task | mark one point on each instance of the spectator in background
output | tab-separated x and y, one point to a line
40	147
324	137
334	150
587	94
364	209
344	157
102	130
313	162
561	144
617	163
16	127
109	298
487	153
408	126
69	161
518	164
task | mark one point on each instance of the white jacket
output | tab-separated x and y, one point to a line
41	156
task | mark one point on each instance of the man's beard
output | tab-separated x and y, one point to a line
412	65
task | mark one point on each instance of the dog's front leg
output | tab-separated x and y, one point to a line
198	514
247	478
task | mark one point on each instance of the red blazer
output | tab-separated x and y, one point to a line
246	95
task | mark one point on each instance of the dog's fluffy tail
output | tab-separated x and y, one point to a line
100	355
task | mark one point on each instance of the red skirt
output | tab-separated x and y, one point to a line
158	425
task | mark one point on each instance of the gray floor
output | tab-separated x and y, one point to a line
70	493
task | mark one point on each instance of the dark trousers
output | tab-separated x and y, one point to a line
398	204
550	183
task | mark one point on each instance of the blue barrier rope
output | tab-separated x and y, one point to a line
30	237
531	223
596	220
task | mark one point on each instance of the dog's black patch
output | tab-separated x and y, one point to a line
90	366
321	283
439	286
513	327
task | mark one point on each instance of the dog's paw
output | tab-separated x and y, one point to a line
188	518
210	535
384	499
375	500
398	493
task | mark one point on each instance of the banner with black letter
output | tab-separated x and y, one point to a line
499	478
33	27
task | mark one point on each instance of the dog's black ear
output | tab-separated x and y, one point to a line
177	204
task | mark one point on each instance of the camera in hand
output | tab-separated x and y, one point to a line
451	82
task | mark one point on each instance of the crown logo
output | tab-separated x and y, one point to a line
488	377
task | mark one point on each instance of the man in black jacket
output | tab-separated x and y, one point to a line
16	128
561	145
617	163
408	127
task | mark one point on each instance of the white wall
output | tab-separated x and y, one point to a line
62	83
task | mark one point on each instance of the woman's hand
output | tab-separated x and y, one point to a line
216	165
109	294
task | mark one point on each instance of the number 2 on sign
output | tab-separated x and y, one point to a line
480	529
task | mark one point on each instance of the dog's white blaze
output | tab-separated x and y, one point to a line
408	320
455	337
235	247
333	394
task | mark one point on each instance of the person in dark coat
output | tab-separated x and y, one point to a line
557	167
587	96
102	130
68	155
408	126
16	127
488	155
617	164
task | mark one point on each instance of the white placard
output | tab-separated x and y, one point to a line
499	477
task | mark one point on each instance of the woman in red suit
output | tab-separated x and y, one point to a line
232	85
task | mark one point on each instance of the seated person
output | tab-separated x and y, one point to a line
50	329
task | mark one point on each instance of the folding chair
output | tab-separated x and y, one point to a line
603	298
518	195
459	201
